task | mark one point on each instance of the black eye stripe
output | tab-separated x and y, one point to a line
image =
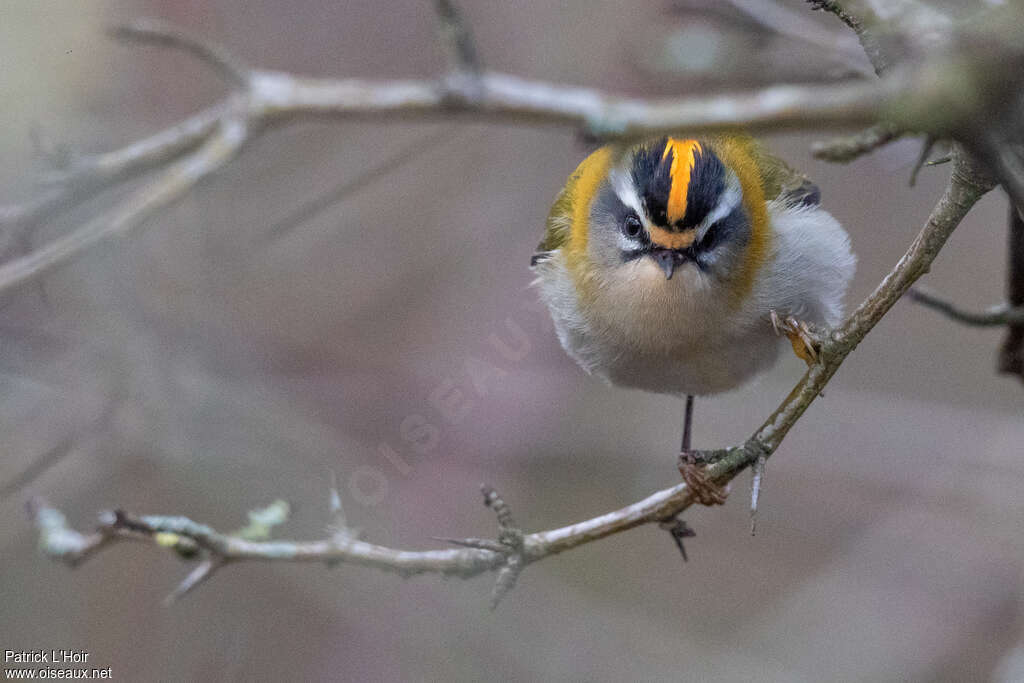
608	204
632	226
728	228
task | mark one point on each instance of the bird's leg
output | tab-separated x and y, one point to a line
805	344
691	466
687	423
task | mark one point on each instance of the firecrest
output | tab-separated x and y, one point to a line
669	265
672	264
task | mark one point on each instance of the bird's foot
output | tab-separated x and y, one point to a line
691	467
806	344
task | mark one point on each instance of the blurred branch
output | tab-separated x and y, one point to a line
86	176
996	316
929	98
158	32
789	23
169	186
847	148
455	36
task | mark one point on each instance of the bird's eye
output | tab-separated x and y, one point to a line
631	226
711	237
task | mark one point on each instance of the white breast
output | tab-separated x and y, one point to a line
681	336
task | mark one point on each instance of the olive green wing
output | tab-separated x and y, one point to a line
782	181
557	231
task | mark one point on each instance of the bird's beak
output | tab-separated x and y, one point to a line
668	260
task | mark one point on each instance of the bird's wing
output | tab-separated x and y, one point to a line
782	181
557	232
578	192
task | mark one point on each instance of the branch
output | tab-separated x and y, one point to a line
169	186
909	98
845	149
1011	355
158	32
514	550
996	316
86	176
891	30
796	26
455	36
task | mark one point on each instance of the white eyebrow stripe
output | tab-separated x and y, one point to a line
623	186
730	198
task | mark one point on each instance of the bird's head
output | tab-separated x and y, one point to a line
666	207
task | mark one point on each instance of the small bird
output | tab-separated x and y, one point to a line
672	265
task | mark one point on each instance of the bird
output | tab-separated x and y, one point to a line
676	265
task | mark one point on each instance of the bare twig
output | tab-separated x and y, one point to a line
169	186
868	41
847	148
996	316
58	540
85	176
787	22
887	26
456	38
161	33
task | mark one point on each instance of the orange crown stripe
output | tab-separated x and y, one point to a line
683	152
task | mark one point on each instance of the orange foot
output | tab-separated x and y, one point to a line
704	491
805	346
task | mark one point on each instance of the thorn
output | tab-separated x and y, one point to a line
758	469
457	39
203	571
334	503
926	149
679	530
340	531
463	82
941	160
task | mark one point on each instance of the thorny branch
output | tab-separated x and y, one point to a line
908	96
848	148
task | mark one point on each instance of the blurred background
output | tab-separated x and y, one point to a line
293	315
